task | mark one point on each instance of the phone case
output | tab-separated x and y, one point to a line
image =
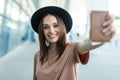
97	18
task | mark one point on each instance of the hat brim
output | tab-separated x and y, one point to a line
37	16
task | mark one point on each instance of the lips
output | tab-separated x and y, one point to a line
52	36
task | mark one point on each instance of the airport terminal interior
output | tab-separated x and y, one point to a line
19	43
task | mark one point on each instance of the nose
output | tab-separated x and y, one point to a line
51	29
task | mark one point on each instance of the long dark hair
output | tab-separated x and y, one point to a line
61	43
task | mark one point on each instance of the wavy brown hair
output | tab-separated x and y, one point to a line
61	43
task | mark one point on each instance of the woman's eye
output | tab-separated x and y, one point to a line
56	25
45	26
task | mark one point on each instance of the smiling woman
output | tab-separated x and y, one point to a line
52	24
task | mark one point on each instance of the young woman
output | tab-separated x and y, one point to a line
57	58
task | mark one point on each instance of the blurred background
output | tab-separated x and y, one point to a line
18	41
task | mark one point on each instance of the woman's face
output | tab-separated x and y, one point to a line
51	28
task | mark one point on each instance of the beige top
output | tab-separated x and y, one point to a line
64	67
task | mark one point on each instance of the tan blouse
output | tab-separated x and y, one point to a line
62	69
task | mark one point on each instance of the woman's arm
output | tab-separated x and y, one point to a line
87	45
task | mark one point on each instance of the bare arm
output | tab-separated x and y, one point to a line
87	45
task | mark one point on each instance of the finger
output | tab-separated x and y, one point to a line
108	21
106	29
113	32
110	32
107	17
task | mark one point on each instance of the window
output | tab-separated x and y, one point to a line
1	6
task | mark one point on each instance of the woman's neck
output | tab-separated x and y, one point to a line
52	50
52	46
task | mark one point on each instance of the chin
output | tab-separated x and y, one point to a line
53	41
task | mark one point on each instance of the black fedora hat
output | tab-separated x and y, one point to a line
37	16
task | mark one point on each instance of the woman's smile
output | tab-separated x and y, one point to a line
52	36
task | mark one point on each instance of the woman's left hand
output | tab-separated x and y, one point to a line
108	28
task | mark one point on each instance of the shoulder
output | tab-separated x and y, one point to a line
72	44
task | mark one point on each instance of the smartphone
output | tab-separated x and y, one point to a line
97	19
